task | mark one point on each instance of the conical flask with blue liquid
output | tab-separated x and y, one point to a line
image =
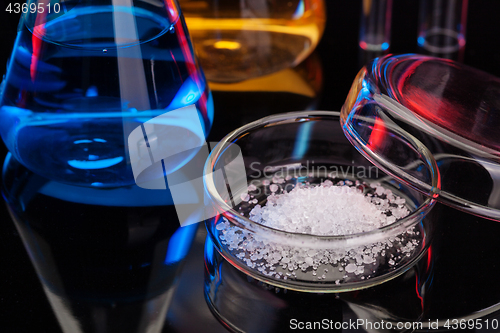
97	90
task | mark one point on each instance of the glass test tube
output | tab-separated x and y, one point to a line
375	29
442	26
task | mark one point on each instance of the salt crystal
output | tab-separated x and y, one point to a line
379	190
351	268
327	183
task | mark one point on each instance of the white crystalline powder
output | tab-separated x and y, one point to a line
273	188
351	268
325	209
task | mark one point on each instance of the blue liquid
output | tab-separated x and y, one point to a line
77	86
130	249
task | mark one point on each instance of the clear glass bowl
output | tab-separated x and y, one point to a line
308	148
449	107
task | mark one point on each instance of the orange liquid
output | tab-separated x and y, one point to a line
249	40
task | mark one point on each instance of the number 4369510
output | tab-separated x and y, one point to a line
40	8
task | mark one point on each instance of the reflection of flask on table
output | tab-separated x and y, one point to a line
290	89
442	28
108	259
237	40
249	305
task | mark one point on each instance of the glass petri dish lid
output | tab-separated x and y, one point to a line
452	109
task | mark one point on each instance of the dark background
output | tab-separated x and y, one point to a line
23	306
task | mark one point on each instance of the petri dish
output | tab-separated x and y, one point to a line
452	109
305	149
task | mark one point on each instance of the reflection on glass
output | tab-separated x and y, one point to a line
442	28
245	304
79	81
237	40
108	259
450	108
464	285
290	89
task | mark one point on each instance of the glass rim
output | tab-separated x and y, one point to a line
309	240
388	106
28	20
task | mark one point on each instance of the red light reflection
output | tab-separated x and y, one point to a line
377	135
